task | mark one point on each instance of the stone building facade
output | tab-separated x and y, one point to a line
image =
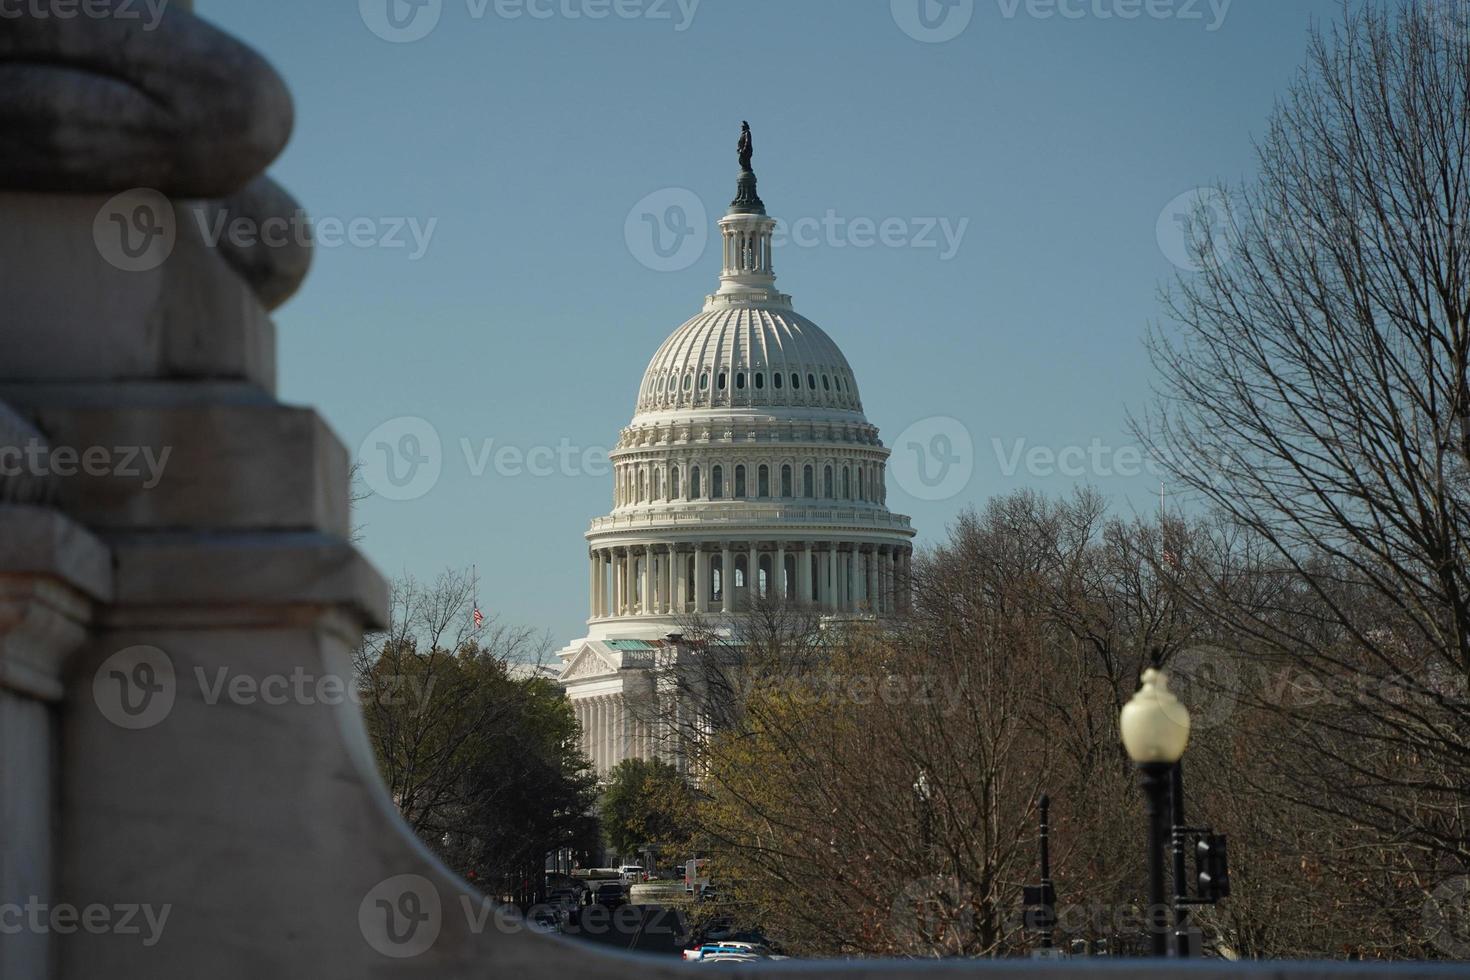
748	472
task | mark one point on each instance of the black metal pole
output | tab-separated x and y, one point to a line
1046	934
1181	883
1154	778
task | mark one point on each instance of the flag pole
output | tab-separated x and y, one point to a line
475	588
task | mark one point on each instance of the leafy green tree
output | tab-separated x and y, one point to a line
647	802
477	746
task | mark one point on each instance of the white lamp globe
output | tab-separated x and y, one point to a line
1154	724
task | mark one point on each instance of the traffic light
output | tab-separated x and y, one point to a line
1041	906
1212	868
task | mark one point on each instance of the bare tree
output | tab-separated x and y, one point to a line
1316	393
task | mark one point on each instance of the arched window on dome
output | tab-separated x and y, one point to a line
826	383
776	380
688	381
673	483
722	381
811	382
704	382
763	481
658	484
740	381
786	480
795	380
694	483
717	483
642	486
862	486
808	482
846	483
760	381
827	482
740	482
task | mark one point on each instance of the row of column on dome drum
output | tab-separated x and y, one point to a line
644	483
676	579
835	387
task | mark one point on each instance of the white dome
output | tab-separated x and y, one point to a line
756	356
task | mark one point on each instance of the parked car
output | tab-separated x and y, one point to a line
727	951
632	873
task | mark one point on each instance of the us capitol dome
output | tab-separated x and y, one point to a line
748	473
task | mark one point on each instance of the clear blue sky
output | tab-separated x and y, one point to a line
528	320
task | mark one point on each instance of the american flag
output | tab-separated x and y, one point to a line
479	618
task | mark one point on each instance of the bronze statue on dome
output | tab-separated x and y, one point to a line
746	147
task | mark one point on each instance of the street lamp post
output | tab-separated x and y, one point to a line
1177	839
1048	894
1155	730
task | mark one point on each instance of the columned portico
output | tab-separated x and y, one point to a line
727	578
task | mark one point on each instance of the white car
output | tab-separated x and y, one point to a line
632	873
720	951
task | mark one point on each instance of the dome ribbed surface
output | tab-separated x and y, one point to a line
748	356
